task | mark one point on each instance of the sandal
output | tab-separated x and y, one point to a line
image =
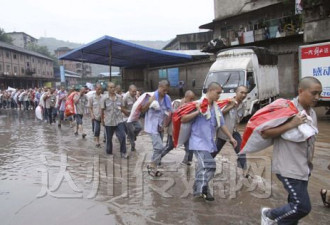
323	193
152	171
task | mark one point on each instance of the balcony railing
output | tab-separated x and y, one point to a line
269	29
30	71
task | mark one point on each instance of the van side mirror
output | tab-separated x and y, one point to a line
204	90
193	82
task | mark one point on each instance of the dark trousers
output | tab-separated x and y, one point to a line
298	206
26	105
121	135
241	160
170	146
96	127
50	115
133	129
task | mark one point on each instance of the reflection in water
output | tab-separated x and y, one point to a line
30	148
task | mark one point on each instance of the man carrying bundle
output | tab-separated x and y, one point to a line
233	113
292	161
158	111
201	141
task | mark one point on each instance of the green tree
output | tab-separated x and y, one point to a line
5	37
40	49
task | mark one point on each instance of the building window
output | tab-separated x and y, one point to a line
14	56
22	70
8	68
0	53
7	54
33	60
15	69
22	57
0	67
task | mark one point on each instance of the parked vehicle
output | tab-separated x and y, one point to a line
253	67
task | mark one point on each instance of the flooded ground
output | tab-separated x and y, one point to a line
49	176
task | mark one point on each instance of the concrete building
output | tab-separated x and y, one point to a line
191	41
317	22
21	68
279	25
22	39
273	24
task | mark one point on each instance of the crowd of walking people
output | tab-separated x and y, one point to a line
211	127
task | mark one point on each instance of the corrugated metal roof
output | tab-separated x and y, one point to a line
124	54
22	50
191	52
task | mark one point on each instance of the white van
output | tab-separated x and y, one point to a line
253	67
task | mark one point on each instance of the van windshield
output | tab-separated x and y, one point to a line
229	80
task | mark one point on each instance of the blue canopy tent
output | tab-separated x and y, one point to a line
115	52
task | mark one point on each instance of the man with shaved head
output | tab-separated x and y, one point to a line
201	141
62	95
133	128
158	109
95	109
188	97
292	161
80	100
112	118
233	113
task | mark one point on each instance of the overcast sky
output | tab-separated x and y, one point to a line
83	21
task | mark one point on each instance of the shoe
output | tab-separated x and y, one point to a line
264	219
83	135
98	145
249	177
59	125
186	163
76	133
323	193
199	195
133	149
152	171
124	156
104	140
207	195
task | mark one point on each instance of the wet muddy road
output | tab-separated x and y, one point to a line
49	176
